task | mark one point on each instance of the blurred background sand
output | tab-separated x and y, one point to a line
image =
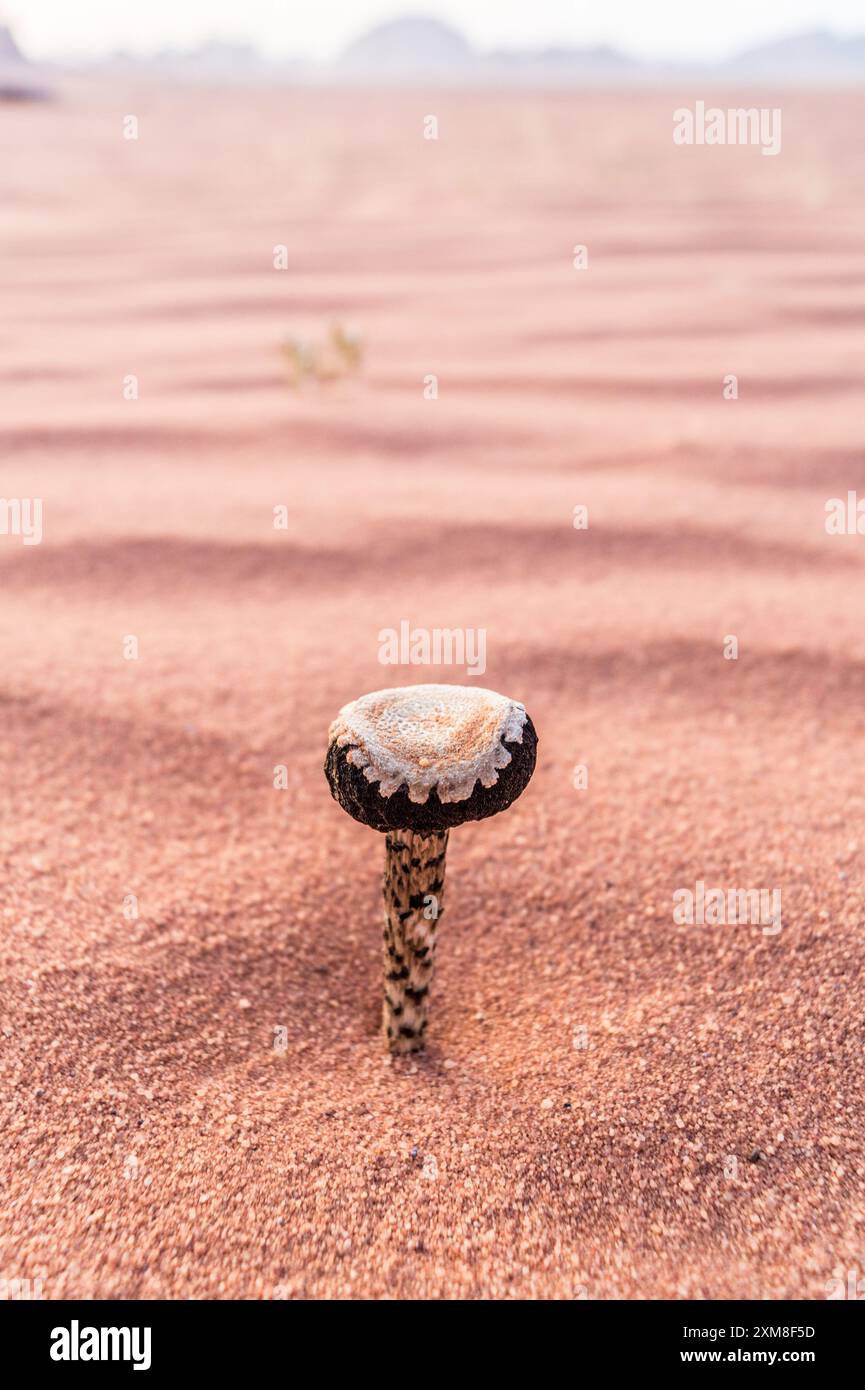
154	1142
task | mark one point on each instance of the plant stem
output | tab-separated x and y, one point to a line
414	876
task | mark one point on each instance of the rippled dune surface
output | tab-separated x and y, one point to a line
196	1101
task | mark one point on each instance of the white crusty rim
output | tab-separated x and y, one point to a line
453	780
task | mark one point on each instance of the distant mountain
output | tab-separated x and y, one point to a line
406	47
18	80
557	65
213	61
9	50
810	56
421	47
565	57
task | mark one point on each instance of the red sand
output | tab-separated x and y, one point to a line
154	1143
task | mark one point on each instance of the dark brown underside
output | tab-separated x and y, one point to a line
364	801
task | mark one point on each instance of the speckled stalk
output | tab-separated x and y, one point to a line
414	876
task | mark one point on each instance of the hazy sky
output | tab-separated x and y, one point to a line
321	28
